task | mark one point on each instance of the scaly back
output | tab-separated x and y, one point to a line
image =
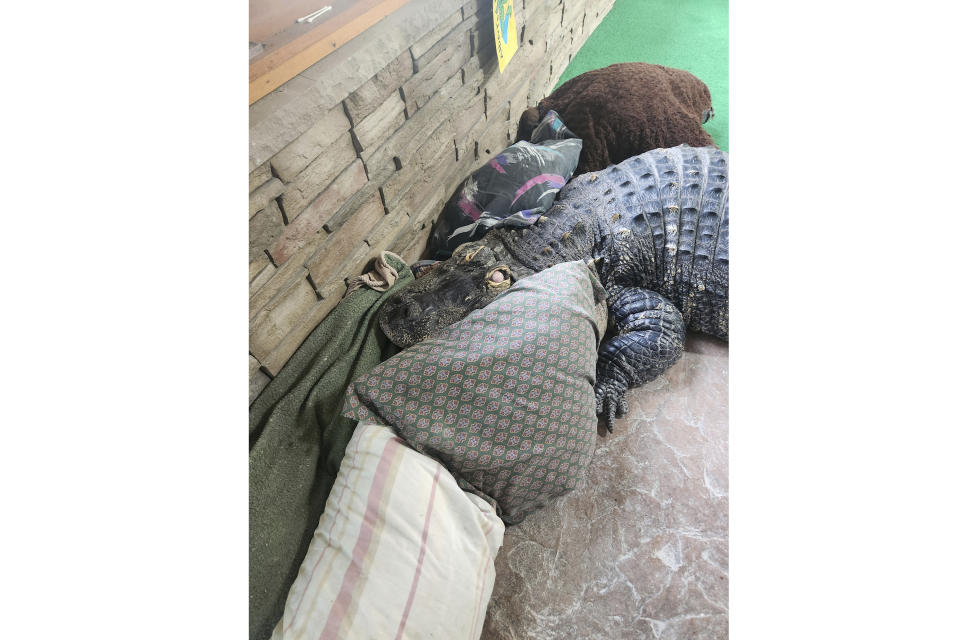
664	217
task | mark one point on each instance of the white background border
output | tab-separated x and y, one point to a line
124	453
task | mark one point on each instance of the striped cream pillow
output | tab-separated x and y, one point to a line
400	551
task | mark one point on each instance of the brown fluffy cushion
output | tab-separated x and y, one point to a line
626	109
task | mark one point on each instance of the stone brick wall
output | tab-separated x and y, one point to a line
359	152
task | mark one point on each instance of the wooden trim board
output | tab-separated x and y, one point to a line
294	49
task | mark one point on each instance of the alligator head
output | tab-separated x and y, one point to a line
469	279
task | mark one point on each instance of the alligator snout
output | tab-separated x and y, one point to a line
408	311
396	309
441	297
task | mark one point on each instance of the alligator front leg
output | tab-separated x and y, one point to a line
649	339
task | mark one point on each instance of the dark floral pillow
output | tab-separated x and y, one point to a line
503	398
514	188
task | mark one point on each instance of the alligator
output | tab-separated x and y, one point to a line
655	228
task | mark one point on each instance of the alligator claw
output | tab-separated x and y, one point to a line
611	403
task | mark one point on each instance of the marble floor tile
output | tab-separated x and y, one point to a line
639	551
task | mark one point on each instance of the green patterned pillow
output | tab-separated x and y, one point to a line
504	398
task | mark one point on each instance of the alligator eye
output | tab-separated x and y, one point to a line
499	276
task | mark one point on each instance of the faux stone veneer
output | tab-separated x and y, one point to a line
640	551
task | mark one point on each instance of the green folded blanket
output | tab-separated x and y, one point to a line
298	438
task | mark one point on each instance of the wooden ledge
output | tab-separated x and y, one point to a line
287	53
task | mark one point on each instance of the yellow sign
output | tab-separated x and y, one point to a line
504	31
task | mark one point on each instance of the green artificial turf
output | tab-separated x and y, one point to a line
686	34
